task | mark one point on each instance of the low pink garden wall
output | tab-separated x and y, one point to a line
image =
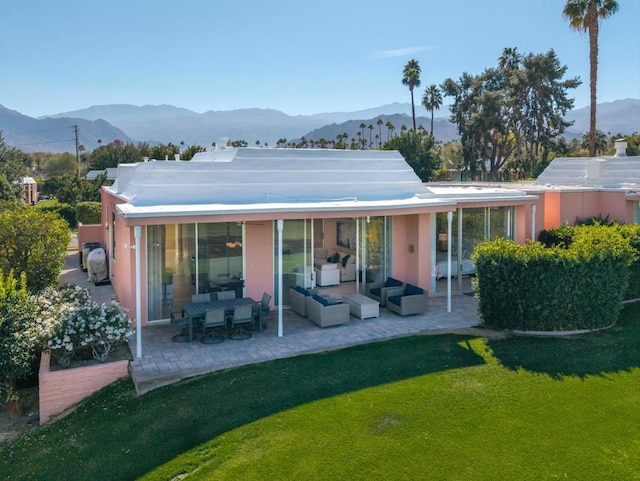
62	389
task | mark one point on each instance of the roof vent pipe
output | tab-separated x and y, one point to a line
621	148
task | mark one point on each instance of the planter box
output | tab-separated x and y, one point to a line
59	390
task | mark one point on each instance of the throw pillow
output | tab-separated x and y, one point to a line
411	290
344	260
391	282
335	258
301	290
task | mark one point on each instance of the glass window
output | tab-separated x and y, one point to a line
170	250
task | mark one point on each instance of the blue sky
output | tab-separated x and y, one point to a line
295	56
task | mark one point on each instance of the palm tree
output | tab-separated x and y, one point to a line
379	124
370	130
509	59
584	16
432	100
411	79
390	127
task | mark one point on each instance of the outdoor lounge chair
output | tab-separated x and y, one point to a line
378	290
325	315
407	300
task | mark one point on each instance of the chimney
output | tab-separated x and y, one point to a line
621	148
176	157
222	143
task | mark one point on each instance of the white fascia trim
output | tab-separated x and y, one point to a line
131	212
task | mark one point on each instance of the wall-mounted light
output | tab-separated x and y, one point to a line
106	225
411	248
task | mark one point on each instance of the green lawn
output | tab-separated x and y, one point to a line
429	407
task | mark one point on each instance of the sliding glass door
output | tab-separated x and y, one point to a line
469	228
183	259
297	256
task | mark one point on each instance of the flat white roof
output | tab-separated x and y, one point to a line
595	172
251	180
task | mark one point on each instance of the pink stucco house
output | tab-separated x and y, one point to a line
260	220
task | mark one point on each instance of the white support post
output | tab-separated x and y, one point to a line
137	233
449	233
280	228
358	241
533	222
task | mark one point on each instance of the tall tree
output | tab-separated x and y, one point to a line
379	124
432	100
507	114
411	79
584	16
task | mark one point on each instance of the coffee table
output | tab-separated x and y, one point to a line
362	306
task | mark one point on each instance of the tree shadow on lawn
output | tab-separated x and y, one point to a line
612	350
117	435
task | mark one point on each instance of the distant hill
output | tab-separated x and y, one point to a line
617	117
166	123
442	129
54	135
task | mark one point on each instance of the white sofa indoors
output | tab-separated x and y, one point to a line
345	262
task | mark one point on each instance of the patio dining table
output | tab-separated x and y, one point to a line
195	310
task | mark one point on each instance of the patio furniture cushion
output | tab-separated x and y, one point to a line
411	290
376	291
322	300
394	300
391	282
344	260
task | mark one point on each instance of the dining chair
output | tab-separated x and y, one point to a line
183	324
197	298
263	310
213	318
226	295
242	315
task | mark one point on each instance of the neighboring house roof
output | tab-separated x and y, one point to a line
112	173
599	172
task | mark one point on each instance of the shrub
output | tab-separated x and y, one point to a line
533	287
90	326
18	347
88	212
66	212
35	243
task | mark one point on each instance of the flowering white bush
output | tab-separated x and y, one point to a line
69	322
53	305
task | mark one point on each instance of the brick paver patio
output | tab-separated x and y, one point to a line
165	361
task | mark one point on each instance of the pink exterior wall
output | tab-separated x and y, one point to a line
566	206
121	268
59	390
89	233
259	249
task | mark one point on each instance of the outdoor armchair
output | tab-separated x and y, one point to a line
379	290
410	300
327	315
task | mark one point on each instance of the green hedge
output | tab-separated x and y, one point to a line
88	212
65	211
563	236
533	287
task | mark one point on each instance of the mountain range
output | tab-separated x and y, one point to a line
166	123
